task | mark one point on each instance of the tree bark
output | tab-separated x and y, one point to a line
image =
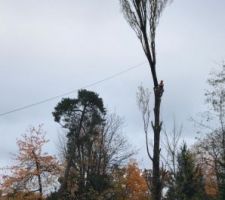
38	175
157	125
64	183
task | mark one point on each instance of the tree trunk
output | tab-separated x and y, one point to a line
37	163
63	189
157	125
40	187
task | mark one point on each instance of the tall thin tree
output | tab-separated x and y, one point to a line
143	17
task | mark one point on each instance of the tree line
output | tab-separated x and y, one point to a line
95	155
97	161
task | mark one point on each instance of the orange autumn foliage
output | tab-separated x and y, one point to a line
131	185
33	170
209	173
136	185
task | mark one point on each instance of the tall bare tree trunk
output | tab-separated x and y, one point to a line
143	97
143	17
157	125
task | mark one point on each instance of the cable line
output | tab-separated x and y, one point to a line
72	91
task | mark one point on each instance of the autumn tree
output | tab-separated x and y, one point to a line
94	145
211	148
143	17
135	184
204	151
130	183
33	170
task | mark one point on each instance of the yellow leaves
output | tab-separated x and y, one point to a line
130	183
135	183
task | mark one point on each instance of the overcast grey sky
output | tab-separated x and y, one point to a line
48	47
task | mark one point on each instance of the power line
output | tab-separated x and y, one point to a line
71	91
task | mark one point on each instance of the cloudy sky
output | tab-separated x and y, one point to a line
49	47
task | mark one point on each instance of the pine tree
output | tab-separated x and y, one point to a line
94	145
188	183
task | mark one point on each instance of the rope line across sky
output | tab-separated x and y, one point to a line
72	91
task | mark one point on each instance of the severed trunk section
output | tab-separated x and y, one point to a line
157	125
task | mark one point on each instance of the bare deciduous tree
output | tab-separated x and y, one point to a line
171	143
211	149
143	100
143	17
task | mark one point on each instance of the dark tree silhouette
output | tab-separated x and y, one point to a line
94	145
82	118
143	17
188	181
